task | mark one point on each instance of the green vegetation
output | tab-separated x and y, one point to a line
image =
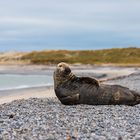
108	56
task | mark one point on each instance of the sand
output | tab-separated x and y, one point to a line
41	92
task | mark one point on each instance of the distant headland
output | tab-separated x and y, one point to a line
116	56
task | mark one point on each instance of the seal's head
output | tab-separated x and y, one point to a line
62	73
63	69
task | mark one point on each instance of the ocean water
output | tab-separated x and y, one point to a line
18	81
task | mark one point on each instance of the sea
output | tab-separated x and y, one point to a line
41	79
21	81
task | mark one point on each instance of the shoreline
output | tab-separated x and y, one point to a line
77	69
103	74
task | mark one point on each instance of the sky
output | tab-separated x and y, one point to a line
69	24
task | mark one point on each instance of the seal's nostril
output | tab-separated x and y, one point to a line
60	66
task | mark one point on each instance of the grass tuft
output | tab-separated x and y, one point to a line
107	56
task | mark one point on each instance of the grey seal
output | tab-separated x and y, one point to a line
72	90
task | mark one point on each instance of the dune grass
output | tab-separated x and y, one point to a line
108	56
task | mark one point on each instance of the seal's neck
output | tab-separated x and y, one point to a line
58	80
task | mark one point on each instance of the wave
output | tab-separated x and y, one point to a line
26	87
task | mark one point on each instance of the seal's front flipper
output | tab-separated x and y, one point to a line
88	80
70	100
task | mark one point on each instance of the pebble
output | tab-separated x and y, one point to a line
48	119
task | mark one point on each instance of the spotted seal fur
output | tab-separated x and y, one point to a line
72	90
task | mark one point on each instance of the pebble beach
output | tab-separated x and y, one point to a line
48	119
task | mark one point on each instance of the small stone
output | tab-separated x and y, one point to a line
1	121
11	116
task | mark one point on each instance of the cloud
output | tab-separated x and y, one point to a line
71	15
69	22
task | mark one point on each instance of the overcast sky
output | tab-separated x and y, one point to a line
69	24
